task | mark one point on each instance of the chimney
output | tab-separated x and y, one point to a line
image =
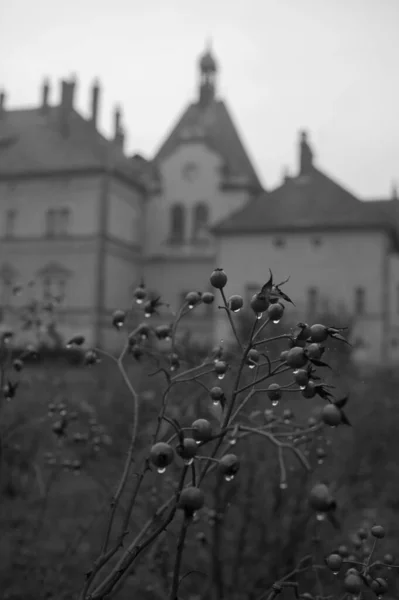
45	96
2	103
119	134
66	105
305	155
394	191
95	98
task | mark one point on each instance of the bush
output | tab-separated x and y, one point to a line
229	488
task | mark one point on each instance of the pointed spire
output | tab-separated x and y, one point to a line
208	71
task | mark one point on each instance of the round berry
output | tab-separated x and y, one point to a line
283	356
235	303
301	377
192	299
202	430
274	392
216	393
334	562
388	559
188	449
118	318
191	499
229	465
379	586
220	367
314	351
310	390
378	531
362	534
218	279
207	297
318	333
161	455
352	582
320	497
253	357
18	365
140	294
343	551
331	415
275	311
259	303
296	358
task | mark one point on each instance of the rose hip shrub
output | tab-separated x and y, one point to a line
227	488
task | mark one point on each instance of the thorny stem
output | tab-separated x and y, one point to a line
179	555
136	548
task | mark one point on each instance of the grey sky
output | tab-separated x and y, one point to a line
327	65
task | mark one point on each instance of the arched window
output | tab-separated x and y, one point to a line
200	221
58	222
177	223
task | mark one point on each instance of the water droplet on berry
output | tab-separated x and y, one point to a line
229	477
335	572
259	316
190	306
232	442
173	368
320	516
188	462
302	387
276	321
221	376
283	485
215	402
274	402
161	470
251	366
139	301
147	315
198	442
236	310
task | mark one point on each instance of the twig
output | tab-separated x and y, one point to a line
179	554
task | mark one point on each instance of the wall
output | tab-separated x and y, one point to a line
342	261
125	218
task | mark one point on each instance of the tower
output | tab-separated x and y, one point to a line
207	82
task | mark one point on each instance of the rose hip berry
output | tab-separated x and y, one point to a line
192	299
314	351
118	318
191	499
379	586
274	392
352	582
334	562
378	531
188	449
218	279
275	312
252	358
310	389
320	497
301	377
318	333
229	465
161	455
259	303
235	303
296	358
216	393
207	297
202	430
331	415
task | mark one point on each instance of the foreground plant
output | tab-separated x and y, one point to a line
200	450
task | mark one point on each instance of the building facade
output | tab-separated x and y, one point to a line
85	222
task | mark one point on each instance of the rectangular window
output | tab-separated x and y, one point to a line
360	301
10	221
312	302
57	222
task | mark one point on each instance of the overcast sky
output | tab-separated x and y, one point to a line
331	66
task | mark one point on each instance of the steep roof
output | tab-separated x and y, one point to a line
309	202
32	142
214	124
